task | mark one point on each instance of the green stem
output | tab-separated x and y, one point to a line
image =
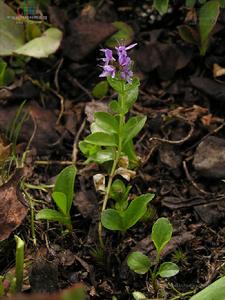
154	274
114	166
19	263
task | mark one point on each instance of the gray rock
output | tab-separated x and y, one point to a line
209	158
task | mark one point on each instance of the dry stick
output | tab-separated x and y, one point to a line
76	140
179	142
192	181
56	79
76	83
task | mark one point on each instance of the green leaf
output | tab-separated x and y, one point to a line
117	220
222	3
88	149
118	189
11	32
114	106
208	15
3	66
107	122
116	83
161	233
125	33
52	215
100	90
101	139
136	210
133	127
190	3
215	291
139	296
188	34
161	6
131	94
42	46
168	269
102	156
138	262
61	201
129	150
111	219
65	184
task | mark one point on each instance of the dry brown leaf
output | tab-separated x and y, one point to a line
218	70
12	206
190	114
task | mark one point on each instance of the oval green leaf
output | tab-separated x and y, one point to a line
161	6
61	201
168	269
133	127
42	46
65	184
138	262
136	210
101	139
125	33
100	90
52	215
208	16
107	122
161	233
111	219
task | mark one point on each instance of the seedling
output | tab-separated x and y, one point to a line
111	141
62	195
15	282
141	264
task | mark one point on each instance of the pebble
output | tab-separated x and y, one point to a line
209	158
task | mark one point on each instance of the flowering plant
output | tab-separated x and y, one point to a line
111	141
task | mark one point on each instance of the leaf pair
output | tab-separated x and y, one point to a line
113	219
161	235
63	197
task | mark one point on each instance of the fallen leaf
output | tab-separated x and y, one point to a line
218	70
42	46
165	58
85	35
12	206
190	114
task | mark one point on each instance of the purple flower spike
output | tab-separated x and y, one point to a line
108	71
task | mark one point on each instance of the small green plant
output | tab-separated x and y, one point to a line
141	264
207	17
111	142
62	195
15	281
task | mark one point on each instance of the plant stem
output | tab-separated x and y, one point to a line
115	162
19	263
154	274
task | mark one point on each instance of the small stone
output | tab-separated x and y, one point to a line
209	158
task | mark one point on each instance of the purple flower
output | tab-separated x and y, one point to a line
123	67
108	56
108	70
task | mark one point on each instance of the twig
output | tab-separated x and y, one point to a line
179	142
76	140
76	83
192	181
56	79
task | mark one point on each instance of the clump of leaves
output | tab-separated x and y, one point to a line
141	264
62	195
